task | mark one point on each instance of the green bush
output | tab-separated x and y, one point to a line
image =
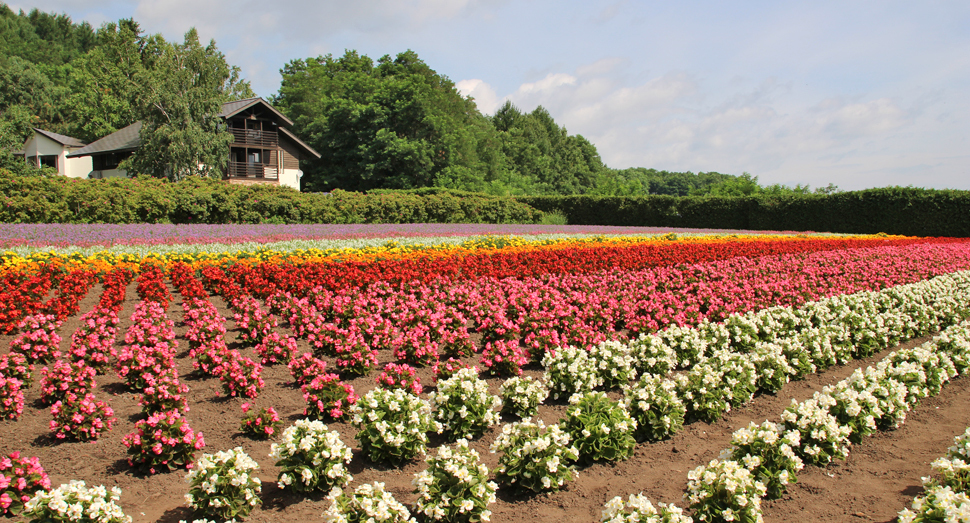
893	210
197	200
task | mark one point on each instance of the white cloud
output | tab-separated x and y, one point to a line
484	95
677	121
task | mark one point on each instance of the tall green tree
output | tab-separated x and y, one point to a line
393	124
43	38
183	87
541	151
104	82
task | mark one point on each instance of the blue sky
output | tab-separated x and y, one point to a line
856	93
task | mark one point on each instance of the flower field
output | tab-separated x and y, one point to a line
457	374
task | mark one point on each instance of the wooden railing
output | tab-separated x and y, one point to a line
252	170
253	138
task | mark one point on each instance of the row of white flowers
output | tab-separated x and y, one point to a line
946	497
764	459
726	363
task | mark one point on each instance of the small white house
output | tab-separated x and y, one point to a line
47	149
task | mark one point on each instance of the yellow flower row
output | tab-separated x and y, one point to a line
104	261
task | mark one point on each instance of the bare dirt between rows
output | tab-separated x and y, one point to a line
879	478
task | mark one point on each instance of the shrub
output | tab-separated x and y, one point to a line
724	491
392	425
162	442
463	406
259	424
21	478
63	377
822	438
64	503
639	510
570	371
400	376
328	397
240	376
223	485
613	362
276	348
455	486
81	418
522	396
534	457
38	340
653	402
11	398
370	502
937	504
311	458
601	428
769	453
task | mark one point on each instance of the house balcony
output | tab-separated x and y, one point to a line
252	171
259	139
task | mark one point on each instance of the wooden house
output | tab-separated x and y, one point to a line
264	151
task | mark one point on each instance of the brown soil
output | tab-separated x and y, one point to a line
879	478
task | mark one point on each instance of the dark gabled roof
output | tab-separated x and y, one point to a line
300	143
122	140
127	139
230	109
60	138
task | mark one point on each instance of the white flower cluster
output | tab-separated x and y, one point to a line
311	457
652	356
74	501
945	499
653	402
771	366
534	457
724	380
570	370
522	395
922	369
638	509
614	363
724	491
463	406
370	502
961	446
690	345
768	451
393	425
822	437
224	485
455	486
938	504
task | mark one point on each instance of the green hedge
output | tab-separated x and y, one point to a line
892	210
57	199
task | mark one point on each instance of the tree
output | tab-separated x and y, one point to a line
396	124
104	82
183	87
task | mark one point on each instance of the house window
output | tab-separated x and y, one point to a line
255	157
107	161
49	160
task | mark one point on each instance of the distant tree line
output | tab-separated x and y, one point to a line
393	123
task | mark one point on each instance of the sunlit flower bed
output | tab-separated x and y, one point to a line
684	327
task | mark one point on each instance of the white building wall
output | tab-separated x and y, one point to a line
40	145
76	167
291	178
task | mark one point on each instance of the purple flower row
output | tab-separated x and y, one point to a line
87	235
